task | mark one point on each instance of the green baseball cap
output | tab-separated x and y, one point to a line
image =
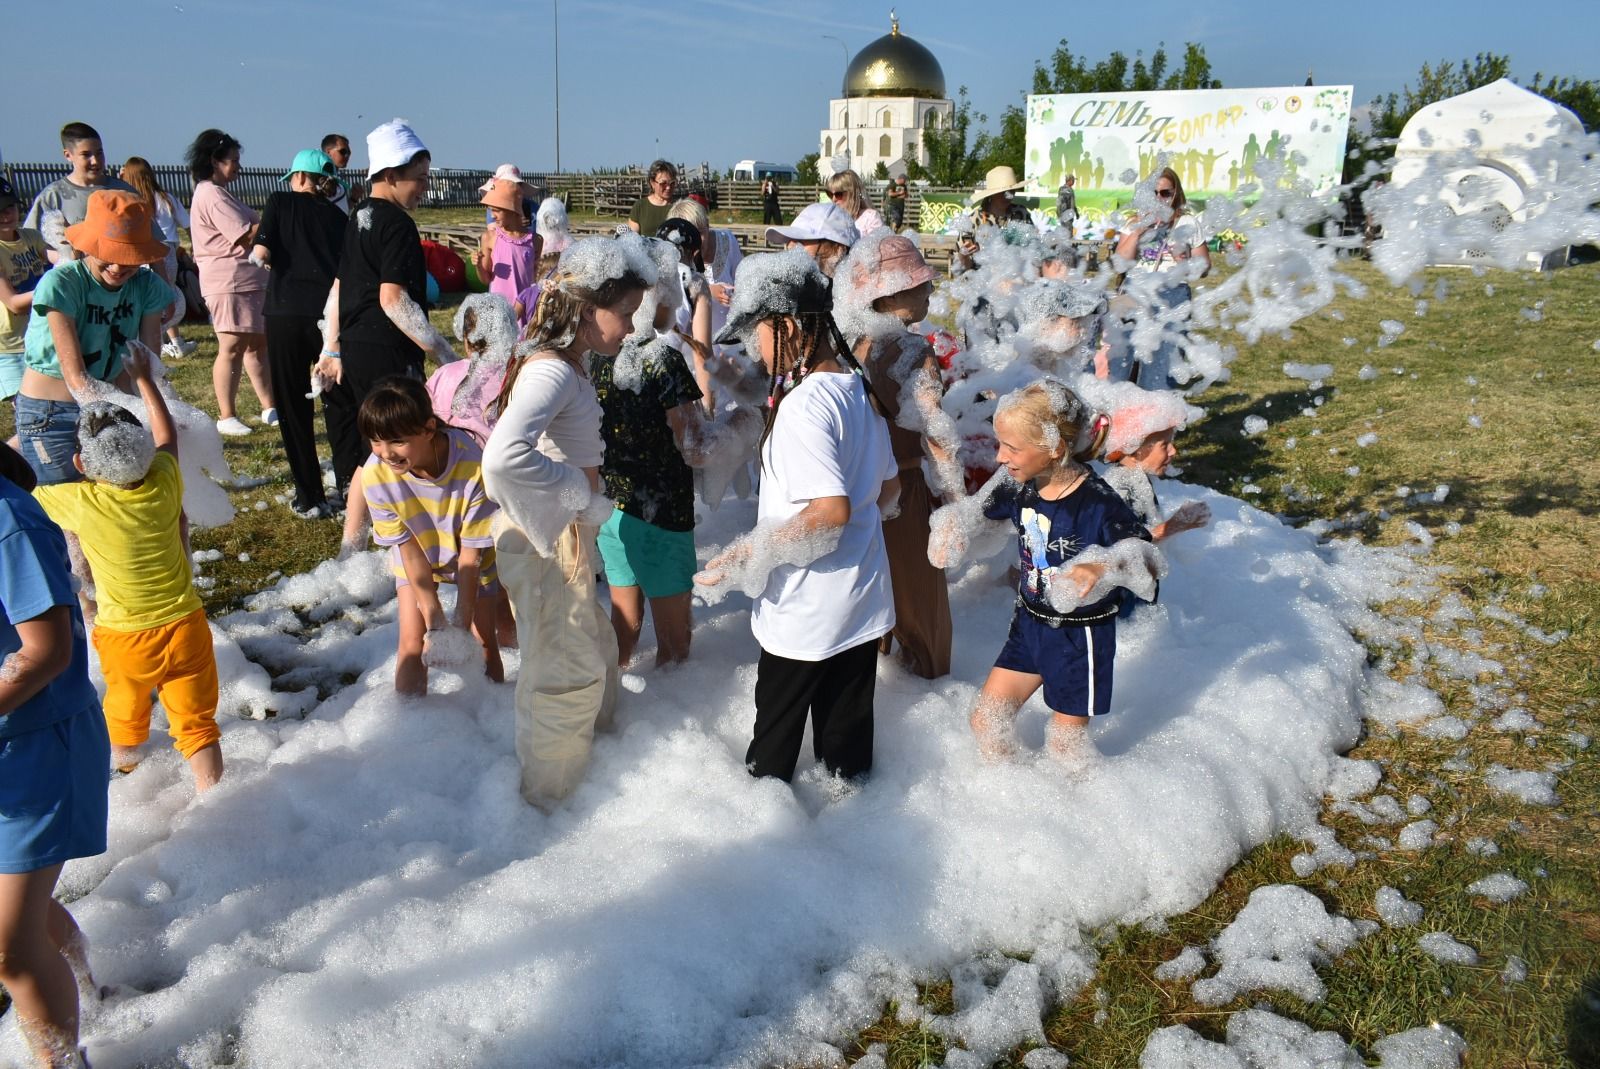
313	161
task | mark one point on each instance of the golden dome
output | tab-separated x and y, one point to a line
894	66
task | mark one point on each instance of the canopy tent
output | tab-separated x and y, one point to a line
1478	152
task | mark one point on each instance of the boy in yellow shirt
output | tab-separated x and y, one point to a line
151	631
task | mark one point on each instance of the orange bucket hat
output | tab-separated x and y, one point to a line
505	195
116	229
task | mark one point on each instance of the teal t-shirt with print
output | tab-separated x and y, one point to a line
107	319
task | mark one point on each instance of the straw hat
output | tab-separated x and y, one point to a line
116	229
1000	179
504	195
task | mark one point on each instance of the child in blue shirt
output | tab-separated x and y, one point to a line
54	760
1063	635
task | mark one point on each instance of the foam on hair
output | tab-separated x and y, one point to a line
113	446
1050	414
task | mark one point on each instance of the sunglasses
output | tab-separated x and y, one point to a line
838	194
1164	194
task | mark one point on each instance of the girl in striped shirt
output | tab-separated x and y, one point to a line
423	485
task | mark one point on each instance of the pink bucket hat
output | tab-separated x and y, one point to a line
897	267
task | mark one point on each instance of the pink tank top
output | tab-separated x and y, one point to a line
513	265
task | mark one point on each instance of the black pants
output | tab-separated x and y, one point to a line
836	692
293	345
364	364
771	213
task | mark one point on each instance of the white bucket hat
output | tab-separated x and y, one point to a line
506	172
394	144
817	222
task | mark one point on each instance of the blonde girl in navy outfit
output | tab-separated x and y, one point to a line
1058	639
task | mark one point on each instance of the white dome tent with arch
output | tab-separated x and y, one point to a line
1478	152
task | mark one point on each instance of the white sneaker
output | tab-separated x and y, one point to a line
232	427
269	418
188	347
171	351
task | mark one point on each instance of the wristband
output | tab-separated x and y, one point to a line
331	354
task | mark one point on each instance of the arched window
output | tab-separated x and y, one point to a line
827	147
884	148
885	120
843	122
861	146
933	120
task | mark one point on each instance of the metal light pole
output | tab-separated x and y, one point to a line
555	13
844	89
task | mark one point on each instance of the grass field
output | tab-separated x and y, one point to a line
1492	396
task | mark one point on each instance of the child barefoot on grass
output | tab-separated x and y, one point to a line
1063	635
150	630
424	488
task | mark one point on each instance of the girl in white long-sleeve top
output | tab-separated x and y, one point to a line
541	465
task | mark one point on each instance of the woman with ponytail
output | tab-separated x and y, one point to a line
542	467
1078	543
815	564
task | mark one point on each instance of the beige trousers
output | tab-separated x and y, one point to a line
568	683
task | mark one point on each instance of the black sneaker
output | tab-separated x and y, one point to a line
320	511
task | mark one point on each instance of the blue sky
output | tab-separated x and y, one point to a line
715	80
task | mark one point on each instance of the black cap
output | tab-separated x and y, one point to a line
774	284
8	195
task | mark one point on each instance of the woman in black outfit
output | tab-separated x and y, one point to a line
301	235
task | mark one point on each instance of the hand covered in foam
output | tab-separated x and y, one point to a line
597	511
94	390
751	559
448	647
947	542
138	361
1097	571
1189	516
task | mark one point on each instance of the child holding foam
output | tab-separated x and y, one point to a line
1063	635
150	629
423	485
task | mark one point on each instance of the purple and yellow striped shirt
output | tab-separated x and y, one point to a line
444	515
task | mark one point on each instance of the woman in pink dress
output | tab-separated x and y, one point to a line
223	230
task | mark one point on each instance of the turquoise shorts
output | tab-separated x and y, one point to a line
643	555
10	375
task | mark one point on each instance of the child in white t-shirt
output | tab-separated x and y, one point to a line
816	562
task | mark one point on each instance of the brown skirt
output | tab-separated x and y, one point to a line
921	596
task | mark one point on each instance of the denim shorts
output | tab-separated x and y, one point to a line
47	432
53	792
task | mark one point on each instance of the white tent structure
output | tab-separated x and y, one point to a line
1479	153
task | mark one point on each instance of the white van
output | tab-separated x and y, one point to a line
757	170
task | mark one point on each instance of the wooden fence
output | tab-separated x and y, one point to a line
605	195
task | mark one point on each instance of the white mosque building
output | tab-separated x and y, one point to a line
893	91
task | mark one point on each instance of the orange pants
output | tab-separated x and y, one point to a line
176	660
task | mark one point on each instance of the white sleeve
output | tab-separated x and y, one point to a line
540	495
730	264
1186	234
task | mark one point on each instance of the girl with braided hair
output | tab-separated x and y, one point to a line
542	466
816	564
